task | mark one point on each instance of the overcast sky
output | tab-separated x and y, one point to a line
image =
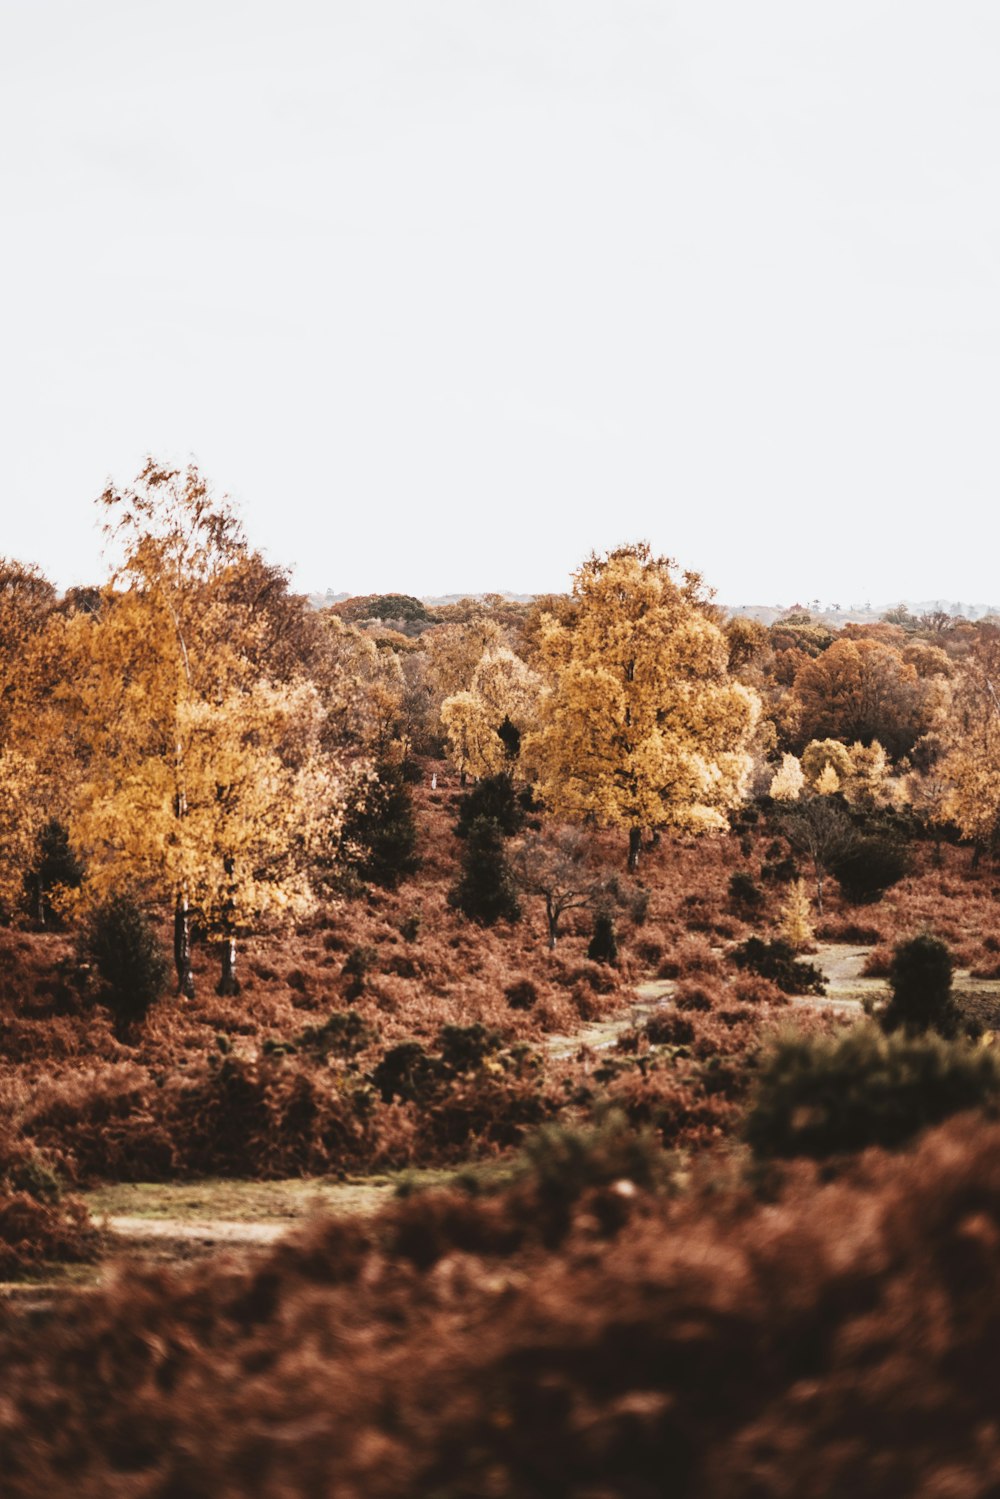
448	293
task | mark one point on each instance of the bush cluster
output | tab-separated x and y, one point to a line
822	1095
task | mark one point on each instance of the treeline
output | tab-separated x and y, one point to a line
191	733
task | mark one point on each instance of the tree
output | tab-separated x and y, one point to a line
120	942
555	867
822	756
640	724
863	690
921	977
970	766
202	779
787	781
55	871
485	724
493	797
819	827
384	830
796	924
486	892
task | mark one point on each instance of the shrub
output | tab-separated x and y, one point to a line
920	977
776	960
819	1096
343	1034
868	867
405	1071
697	994
486	892
744	892
603	947
125	951
522	994
358	964
37	1224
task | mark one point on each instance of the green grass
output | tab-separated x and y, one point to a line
252	1201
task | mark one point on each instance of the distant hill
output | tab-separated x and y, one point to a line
833	614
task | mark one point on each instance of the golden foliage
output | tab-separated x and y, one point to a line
796	925
640	723
788	780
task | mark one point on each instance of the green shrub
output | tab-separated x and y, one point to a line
343	1034
522	994
494	798
868	867
744	892
464	1047
130	964
56	867
486	892
920	977
603	946
776	961
384	830
820	1096
357	965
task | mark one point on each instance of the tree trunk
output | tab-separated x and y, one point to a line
228	982
553	920
634	849
182	948
820	872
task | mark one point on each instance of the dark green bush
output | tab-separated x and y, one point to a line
870	866
464	1047
522	994
56	867
486	892
405	1071
920	979
819	1096
384	831
776	961
343	1034
357	965
744	892
130	964
493	798
603	946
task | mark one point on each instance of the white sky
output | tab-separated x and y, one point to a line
447	293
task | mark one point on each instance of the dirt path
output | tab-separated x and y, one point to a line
184	1219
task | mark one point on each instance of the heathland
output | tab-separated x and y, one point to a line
500	1047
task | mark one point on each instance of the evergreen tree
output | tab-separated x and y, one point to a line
56	867
385	830
921	988
604	942
486	891
493	797
129	961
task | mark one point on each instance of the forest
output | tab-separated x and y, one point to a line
611	982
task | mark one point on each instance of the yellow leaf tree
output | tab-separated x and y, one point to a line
485	724
640	723
970	767
202	778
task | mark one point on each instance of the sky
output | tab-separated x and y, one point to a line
447	294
